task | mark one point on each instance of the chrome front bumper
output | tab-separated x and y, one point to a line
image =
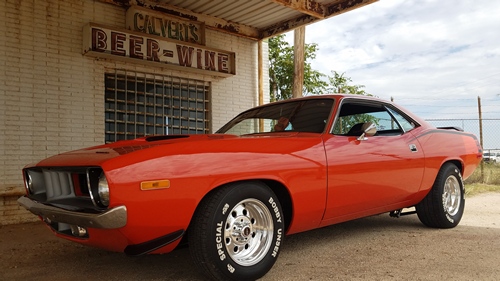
113	218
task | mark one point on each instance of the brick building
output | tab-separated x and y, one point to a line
78	73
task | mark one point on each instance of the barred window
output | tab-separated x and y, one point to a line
141	104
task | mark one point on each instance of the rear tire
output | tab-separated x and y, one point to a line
444	205
237	232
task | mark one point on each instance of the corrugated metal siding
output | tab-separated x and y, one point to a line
255	13
256	19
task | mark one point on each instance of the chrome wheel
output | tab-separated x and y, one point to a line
248	232
452	195
237	231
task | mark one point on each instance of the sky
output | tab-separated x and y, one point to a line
434	57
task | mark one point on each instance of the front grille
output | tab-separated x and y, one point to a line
60	186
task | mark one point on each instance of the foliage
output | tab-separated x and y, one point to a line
484	179
478	188
490	174
345	123
339	83
281	70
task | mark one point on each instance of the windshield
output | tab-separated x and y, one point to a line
297	116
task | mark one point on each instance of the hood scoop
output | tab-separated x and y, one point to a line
165	137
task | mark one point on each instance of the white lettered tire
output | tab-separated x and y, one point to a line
237	232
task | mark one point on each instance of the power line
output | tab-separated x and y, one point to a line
440	99
448	106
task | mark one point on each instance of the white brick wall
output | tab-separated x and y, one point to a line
10	211
51	96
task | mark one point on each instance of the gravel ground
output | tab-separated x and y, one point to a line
374	248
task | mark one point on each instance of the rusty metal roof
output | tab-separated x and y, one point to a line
256	19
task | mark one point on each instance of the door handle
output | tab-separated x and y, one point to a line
413	148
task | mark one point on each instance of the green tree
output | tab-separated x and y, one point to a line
339	83
281	70
281	73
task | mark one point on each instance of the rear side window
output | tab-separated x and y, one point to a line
406	124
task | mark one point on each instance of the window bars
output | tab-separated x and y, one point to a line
142	104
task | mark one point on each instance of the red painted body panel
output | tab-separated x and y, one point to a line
372	174
329	178
295	160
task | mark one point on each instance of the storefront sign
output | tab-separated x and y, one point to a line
101	41
155	23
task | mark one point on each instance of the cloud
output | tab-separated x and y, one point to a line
434	57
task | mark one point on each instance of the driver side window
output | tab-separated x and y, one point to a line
352	116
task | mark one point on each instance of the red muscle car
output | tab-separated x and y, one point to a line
274	170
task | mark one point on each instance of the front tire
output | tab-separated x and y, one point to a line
444	205
237	232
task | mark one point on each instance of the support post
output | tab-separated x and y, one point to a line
260	80
480	134
298	61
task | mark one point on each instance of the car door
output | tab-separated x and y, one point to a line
374	174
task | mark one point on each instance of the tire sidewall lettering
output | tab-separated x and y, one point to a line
275	250
219	236
449	218
275	209
226	263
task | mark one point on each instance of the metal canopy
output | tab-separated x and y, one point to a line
255	19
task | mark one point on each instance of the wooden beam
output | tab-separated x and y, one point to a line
308	7
333	9
298	61
121	3
286	26
260	63
342	6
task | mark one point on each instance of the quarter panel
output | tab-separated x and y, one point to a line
441	146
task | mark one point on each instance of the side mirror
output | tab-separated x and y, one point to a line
369	129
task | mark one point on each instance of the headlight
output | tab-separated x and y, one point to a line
28	183
98	187
103	190
34	183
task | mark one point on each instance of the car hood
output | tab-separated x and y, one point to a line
126	152
125	147
95	156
